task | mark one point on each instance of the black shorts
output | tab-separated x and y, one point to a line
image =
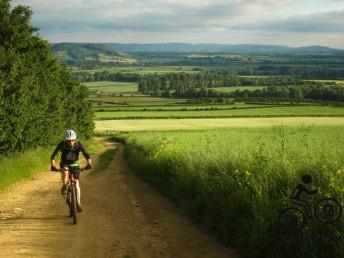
71	170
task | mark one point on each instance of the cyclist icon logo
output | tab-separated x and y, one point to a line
326	210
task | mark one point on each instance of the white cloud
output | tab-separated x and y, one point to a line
184	20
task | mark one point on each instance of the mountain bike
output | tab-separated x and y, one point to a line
327	210
71	198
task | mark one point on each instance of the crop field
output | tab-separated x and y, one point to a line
211	123
134	100
119	59
263	111
106	87
229	177
187	106
337	82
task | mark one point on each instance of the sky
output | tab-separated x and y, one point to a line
279	22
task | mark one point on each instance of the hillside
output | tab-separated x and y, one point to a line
114	53
243	48
77	53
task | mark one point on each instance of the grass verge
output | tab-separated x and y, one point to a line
24	165
104	160
237	183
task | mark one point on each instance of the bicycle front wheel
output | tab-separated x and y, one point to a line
73	207
328	210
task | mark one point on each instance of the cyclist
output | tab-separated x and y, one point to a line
295	197
70	149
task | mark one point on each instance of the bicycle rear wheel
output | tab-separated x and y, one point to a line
72	206
291	221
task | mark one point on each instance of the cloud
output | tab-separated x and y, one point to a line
150	15
167	18
318	22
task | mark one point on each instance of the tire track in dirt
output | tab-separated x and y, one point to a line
123	217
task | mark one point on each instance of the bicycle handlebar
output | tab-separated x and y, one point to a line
61	170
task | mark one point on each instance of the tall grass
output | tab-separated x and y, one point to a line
24	165
104	160
237	181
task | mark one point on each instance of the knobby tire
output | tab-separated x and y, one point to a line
73	205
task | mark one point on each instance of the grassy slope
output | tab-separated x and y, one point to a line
24	165
226	178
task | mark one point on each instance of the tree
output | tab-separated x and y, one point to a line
39	98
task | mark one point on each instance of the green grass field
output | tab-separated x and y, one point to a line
24	165
112	86
176	107
264	111
338	82
135	100
191	124
237	181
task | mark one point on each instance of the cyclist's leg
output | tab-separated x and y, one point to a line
64	177
78	199
78	196
64	174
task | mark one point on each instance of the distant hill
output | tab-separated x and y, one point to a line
77	53
244	48
120	53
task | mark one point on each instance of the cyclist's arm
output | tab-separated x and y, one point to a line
56	151
311	192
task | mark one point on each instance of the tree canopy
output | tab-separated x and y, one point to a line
39	98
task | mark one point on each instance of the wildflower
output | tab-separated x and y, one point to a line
340	171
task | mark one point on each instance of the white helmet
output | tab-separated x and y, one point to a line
70	135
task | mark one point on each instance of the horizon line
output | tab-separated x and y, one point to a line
187	43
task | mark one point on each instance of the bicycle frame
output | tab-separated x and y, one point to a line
71	198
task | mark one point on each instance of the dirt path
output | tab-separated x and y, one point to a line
123	217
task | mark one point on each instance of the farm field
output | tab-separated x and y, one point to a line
134	100
187	106
264	111
143	69
192	124
338	82
244	176
110	87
